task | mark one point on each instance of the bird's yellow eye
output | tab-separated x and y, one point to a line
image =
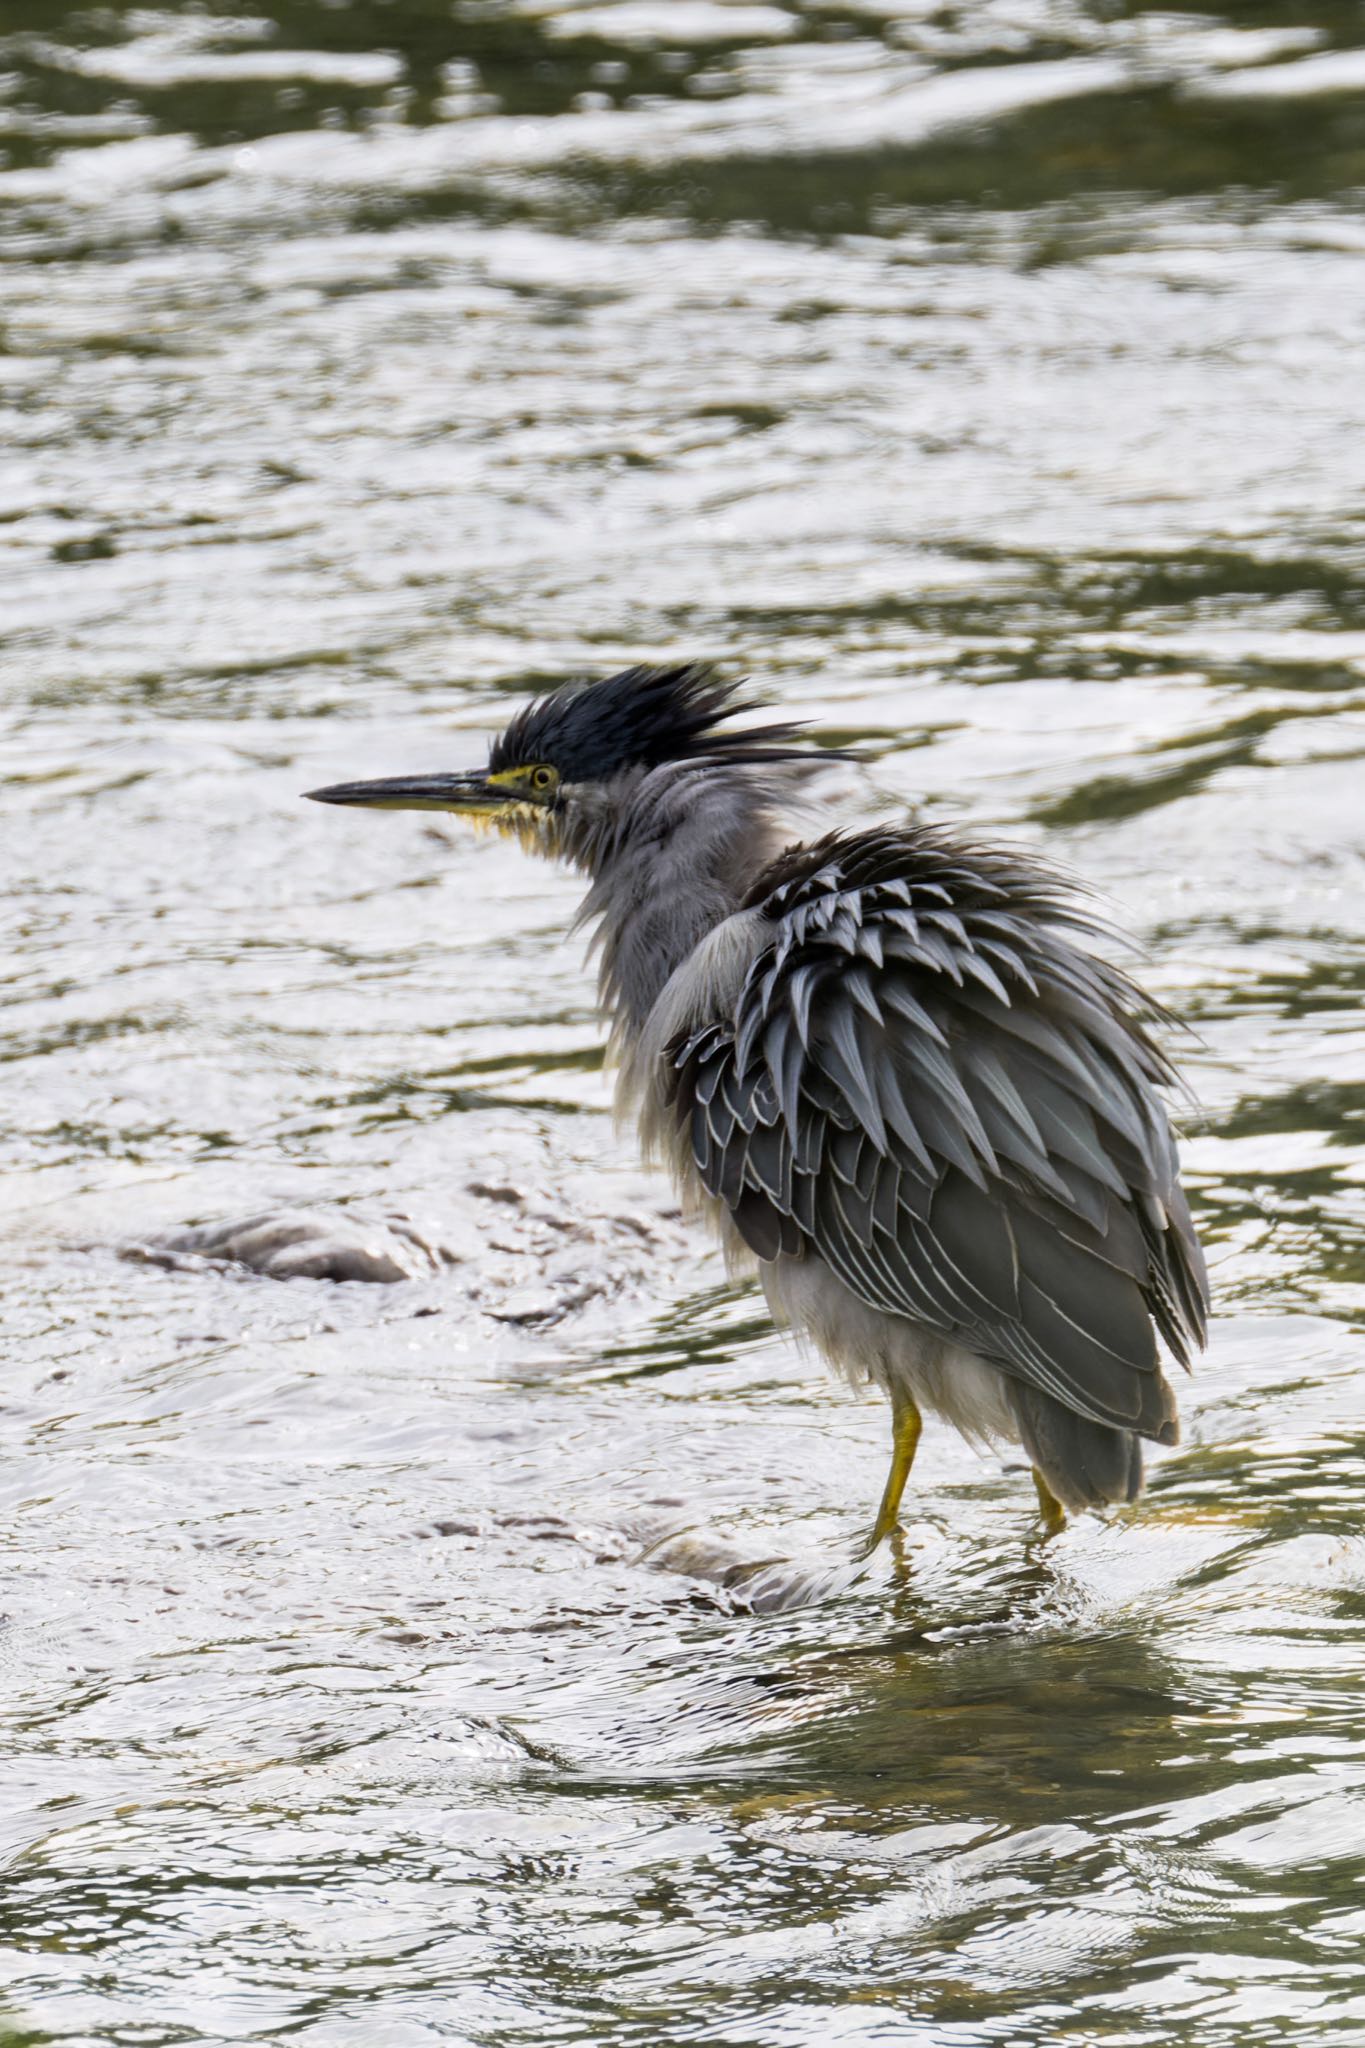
528	781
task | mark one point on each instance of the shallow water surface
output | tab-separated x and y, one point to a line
377	1662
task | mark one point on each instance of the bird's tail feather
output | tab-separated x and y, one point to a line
1085	1464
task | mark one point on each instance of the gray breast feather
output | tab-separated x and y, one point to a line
927	1082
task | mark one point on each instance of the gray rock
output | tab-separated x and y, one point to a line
302	1244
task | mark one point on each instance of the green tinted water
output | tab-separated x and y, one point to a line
987	383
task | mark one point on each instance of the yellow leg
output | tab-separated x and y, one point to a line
1054	1514
905	1428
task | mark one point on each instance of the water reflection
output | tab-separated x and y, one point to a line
987	383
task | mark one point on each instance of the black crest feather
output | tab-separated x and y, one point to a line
639	718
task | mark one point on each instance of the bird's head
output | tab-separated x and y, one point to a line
569	761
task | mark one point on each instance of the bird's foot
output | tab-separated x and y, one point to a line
868	1546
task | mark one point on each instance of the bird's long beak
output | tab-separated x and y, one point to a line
474	793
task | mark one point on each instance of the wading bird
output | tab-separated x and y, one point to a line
885	1065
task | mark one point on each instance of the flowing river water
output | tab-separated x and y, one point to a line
381	1664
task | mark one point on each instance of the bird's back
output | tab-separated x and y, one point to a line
903	1062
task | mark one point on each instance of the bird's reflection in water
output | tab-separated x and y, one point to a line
970	1706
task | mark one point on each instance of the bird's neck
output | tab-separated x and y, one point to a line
678	858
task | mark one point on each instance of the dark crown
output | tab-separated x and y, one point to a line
638	719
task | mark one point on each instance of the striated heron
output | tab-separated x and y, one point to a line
885	1065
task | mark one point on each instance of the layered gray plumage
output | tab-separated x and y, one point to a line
887	1065
924	1084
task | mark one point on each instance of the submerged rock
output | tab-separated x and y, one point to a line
302	1244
